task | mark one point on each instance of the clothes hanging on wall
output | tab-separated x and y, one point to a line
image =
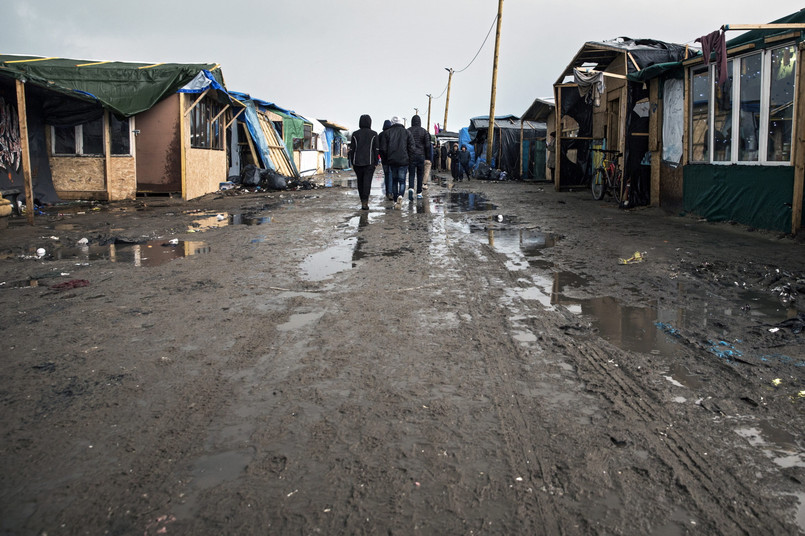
715	42
591	85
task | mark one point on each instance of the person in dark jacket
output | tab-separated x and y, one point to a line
443	150
396	145
455	167
464	162
416	165
388	180
363	153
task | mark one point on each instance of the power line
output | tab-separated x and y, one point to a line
482	45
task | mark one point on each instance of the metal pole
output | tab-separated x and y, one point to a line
447	102
490	134
429	100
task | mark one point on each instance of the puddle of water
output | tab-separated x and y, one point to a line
298	321
323	264
453	202
683	377
210	471
777	444
151	253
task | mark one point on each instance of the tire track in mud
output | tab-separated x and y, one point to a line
715	492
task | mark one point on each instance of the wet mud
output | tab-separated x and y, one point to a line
475	362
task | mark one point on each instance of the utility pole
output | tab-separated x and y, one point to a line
447	102
490	134
416	111
429	99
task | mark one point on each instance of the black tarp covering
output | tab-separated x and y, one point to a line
576	172
11	176
506	149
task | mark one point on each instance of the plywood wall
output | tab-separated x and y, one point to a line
205	169
122	178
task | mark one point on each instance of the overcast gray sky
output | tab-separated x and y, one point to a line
338	59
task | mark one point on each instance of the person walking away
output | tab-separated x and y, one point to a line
455	167
397	144
428	166
416	165
550	153
363	153
464	162
443	150
388	181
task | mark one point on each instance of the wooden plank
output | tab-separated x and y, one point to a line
782	26
234	117
654	140
798	147
686	123
775	38
634	62
22	112
255	159
182	144
107	160
195	102
557	172
219	114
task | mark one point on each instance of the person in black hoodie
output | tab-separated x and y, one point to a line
396	145
416	165
363	153
388	179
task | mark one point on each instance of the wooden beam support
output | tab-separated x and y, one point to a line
234	117
107	151
654	121
183	142
799	148
195	102
22	112
219	114
784	26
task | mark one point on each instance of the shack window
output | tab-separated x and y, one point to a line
781	103
700	117
308	144
747	119
205	125
87	138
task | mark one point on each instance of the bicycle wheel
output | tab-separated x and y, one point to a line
598	185
616	186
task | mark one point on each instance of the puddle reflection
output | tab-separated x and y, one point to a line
151	253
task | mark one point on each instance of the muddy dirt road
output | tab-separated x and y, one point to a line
473	363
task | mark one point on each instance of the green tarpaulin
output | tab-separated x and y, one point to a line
757	196
126	89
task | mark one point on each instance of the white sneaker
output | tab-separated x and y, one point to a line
399	201
419	196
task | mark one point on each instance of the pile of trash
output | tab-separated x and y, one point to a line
484	172
264	179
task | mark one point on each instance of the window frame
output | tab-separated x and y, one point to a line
735	93
78	139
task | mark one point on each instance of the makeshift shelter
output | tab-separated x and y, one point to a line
111	130
256	139
597	108
513	140
336	145
534	149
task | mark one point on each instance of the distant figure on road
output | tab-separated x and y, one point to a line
464	163
416	165
397	145
550	152
443	150
455	167
388	181
363	153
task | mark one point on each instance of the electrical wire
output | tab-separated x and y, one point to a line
482	46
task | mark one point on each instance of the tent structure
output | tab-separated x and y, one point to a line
257	140
112	130
515	146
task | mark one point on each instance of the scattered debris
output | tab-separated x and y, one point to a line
71	284
637	257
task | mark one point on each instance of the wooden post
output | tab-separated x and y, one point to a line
447	102
654	145
22	112
799	147
430	97
107	151
182	142
557	172
491	130
520	165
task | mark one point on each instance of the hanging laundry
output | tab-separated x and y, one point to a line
715	42
591	85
